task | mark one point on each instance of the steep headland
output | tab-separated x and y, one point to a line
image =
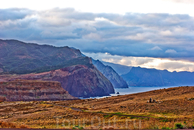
110	74
75	72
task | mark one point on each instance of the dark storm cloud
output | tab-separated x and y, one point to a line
132	34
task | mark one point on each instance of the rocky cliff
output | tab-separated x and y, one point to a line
28	90
75	72
78	80
120	69
116	80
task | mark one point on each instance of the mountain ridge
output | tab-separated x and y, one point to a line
152	77
34	60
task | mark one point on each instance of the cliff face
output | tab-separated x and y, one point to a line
75	72
120	69
78	80
110	74
27	90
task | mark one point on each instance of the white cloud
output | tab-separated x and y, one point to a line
156	48
92	36
166	33
106	6
171	51
183	1
145	62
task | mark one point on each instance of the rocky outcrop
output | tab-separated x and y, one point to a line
28	90
2	99
116	80
78	80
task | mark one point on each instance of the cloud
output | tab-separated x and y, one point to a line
183	1
92	36
145	62
156	48
14	14
130	34
166	33
171	51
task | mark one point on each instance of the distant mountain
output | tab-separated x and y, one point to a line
120	69
116	80
152	77
75	72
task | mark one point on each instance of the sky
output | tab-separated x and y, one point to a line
147	33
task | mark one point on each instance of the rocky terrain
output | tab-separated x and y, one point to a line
116	80
28	90
78	80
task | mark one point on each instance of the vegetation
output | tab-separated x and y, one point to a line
175	110
21	58
178	126
166	128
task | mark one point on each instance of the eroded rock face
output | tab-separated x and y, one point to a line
116	80
28	90
78	80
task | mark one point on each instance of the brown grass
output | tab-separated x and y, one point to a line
4	124
175	105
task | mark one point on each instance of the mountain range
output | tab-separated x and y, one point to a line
138	76
144	77
78	74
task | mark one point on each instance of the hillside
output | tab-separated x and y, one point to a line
152	77
171	107
78	80
75	72
21	58
28	90
116	80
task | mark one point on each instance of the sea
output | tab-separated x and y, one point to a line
130	90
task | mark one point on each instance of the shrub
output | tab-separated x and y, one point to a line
78	127
107	116
178	126
166	128
165	120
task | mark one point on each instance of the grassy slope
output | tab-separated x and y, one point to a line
21	58
176	105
